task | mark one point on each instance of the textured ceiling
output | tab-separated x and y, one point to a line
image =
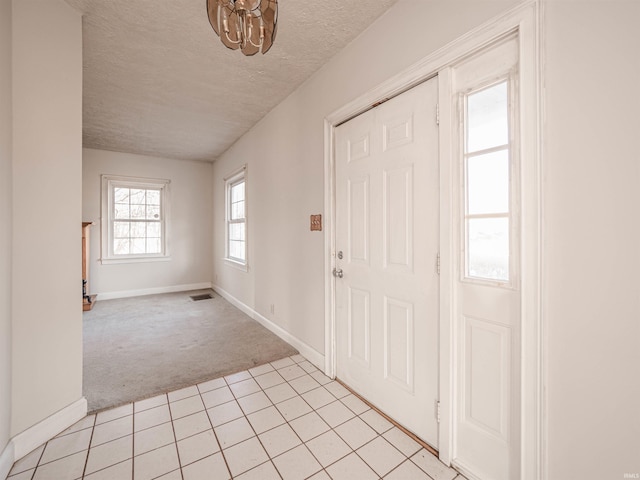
158	81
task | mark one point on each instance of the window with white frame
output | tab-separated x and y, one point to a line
135	215
487	183
236	217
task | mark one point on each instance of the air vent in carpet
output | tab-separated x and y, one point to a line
204	296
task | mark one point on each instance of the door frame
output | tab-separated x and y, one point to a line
525	19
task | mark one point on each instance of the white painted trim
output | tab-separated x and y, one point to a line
330	252
446	299
153	291
42	432
533	420
108	182
305	350
7	459
431	64
524	18
537	416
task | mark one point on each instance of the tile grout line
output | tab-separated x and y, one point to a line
86	460
38	462
175	439
215	435
322	467
286	421
133	441
288	424
105	443
246	416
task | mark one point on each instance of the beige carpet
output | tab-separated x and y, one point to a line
135	348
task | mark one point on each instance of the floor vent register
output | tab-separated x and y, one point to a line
204	296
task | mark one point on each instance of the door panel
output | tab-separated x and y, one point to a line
487	382
387	204
398	216
359	334
398	354
359	219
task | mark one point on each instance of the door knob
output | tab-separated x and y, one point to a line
337	272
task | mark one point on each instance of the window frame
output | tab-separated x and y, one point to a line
235	178
512	148
109	183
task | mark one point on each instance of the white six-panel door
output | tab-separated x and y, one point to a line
387	231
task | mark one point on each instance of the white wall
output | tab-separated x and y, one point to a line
591	291
190	227
5	222
47	183
285	156
591	236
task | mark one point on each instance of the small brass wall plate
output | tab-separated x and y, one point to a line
316	223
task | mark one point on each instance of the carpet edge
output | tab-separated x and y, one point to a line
153	291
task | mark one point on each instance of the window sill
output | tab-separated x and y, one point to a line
487	282
115	261
237	265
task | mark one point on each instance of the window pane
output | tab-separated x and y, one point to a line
153	245
236	250
122	210
137	196
153	212
488	183
488	248
138	245
121	229
137	211
237	210
121	195
236	231
487	118
237	192
153	229
138	229
121	246
153	197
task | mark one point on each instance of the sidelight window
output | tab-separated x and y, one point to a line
487	183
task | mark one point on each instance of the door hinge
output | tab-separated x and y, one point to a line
438	263
438	411
437	114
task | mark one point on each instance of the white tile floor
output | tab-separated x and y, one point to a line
283	420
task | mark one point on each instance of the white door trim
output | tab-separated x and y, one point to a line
525	19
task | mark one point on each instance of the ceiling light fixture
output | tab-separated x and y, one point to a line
249	25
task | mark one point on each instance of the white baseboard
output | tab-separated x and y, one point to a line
305	350
153	291
42	432
7	458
